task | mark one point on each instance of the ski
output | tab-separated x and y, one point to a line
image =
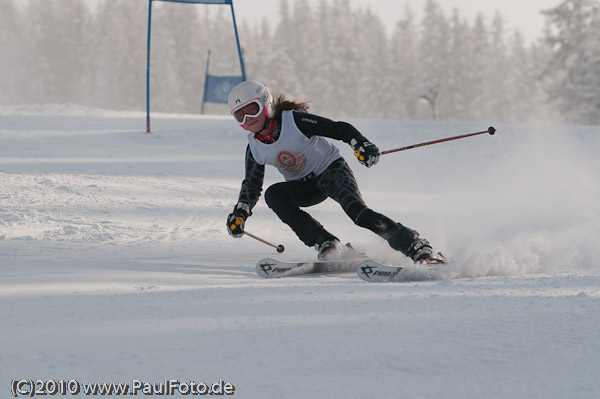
375	272
271	268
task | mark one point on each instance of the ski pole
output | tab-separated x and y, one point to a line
490	130
280	248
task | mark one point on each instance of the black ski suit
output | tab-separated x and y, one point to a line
336	182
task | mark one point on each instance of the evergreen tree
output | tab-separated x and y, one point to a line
434	52
575	64
404	68
281	62
285	30
165	82
371	51
11	53
538	56
303	55
120	54
257	45
497	68
478	71
458	91
190	43
39	44
339	94
524	83
224	59
319	91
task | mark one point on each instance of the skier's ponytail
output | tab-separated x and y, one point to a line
283	104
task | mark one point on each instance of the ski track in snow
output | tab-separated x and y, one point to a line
115	262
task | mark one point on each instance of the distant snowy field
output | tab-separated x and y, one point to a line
115	264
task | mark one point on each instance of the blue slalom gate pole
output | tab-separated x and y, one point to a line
237	39
148	70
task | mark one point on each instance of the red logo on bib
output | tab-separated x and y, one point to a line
291	161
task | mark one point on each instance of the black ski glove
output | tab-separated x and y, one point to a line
366	152
237	218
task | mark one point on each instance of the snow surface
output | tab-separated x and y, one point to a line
116	265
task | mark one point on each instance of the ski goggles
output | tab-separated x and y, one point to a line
249	110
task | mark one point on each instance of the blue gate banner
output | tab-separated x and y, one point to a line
218	87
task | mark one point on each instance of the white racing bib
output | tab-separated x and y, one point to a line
293	154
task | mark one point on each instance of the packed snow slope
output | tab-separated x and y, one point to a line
116	265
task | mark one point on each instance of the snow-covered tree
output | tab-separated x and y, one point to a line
166	84
257	45
575	64
120	54
303	56
372	54
496	79
434	54
39	42
480	56
11	52
404	85
191	43
458	91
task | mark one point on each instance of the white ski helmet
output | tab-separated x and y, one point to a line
247	92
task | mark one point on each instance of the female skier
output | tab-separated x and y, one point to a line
284	135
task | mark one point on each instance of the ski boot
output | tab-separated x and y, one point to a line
330	250
421	252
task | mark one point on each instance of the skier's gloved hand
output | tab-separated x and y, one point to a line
366	152
237	218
